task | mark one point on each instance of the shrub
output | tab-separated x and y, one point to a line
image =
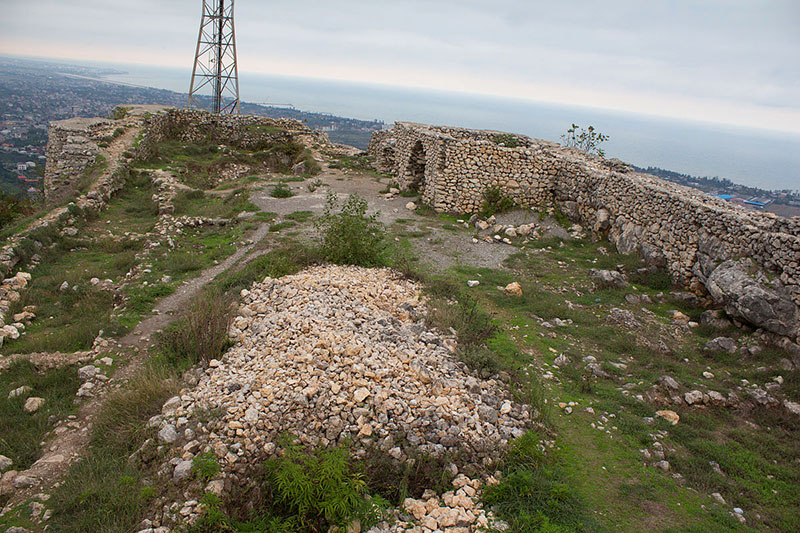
205	466
494	201
350	236
321	488
281	190
201	333
506	139
587	140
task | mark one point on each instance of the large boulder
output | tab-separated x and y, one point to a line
737	287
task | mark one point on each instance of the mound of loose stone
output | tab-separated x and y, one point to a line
337	354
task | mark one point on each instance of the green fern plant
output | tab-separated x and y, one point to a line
205	466
321	488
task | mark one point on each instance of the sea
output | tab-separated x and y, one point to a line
754	157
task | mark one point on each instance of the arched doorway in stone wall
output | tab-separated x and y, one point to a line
415	173
387	158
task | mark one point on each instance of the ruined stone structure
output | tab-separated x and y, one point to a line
707	244
72	147
247	132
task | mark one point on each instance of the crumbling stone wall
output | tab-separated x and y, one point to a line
685	230
247	132
71	148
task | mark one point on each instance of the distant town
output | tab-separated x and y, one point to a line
33	93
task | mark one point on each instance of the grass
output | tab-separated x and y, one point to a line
70	320
20	432
106	491
201	334
200	165
197	203
281	190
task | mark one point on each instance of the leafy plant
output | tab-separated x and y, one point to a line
350	236
587	140
505	139
321	488
494	201
205	466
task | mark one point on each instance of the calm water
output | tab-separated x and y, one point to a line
760	158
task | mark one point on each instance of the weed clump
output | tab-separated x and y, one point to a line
281	190
494	202
350	236
505	139
201	334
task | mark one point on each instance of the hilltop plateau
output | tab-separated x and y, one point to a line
224	323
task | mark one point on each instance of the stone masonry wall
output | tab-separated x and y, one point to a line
71	148
682	229
242	131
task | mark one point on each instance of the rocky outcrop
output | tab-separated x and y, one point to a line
744	296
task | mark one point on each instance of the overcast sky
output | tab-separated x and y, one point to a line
729	61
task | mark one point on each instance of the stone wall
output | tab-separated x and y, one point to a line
71	148
241	131
700	239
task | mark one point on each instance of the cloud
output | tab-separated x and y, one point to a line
732	61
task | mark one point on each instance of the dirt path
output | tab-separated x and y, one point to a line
438	249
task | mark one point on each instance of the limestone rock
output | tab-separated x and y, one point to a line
513	289
733	286
670	416
33	404
608	279
722	344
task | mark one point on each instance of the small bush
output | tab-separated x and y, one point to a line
205	466
321	488
494	202
660	280
506	139
201	334
350	236
281	190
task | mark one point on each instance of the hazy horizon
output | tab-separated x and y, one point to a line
725	62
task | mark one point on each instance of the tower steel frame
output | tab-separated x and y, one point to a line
215	63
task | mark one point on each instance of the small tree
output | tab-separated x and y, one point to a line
587	140
350	236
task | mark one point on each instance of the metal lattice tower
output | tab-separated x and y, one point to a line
215	59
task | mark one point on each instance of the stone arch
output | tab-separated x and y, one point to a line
415	171
387	157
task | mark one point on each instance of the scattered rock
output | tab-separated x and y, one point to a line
693	397
670	416
411	206
722	344
5	463
513	289
473	283
33	404
168	434
183	470
669	382
87	372
608	279
19	391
